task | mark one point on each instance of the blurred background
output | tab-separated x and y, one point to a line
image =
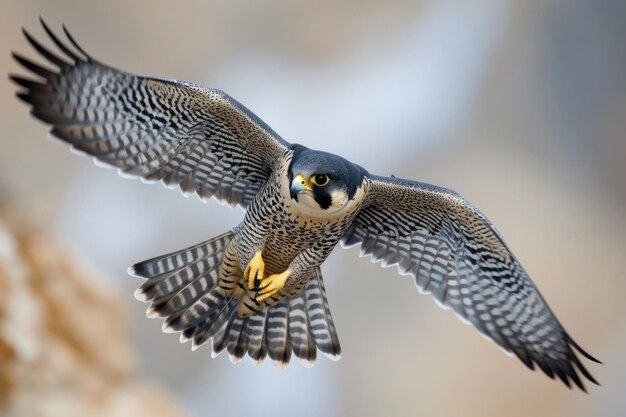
518	105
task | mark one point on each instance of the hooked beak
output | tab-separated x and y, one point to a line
297	185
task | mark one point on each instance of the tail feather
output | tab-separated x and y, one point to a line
257	349
184	288
175	261
212	325
146	292
238	339
168	273
180	279
320	320
168	304
220	340
276	335
301	339
199	311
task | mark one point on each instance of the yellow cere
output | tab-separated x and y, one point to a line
304	183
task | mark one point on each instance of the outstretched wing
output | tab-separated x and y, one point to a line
182	134
456	254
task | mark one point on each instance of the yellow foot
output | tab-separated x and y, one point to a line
255	270
272	284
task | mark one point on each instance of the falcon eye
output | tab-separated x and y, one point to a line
320	180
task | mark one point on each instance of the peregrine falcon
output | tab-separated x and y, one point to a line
258	289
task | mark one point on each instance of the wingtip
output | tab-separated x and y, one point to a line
33	67
61	45
27	83
75	44
578	382
24	97
584	353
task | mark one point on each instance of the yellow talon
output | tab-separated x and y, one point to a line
255	269
272	284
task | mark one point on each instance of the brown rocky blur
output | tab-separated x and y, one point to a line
64	338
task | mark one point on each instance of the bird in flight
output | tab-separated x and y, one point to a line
257	289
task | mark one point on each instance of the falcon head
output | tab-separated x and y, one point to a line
321	183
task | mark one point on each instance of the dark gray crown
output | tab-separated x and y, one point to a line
337	168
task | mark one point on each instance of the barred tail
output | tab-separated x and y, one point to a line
180	276
301	325
182	287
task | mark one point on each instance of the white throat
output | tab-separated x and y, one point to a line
307	205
